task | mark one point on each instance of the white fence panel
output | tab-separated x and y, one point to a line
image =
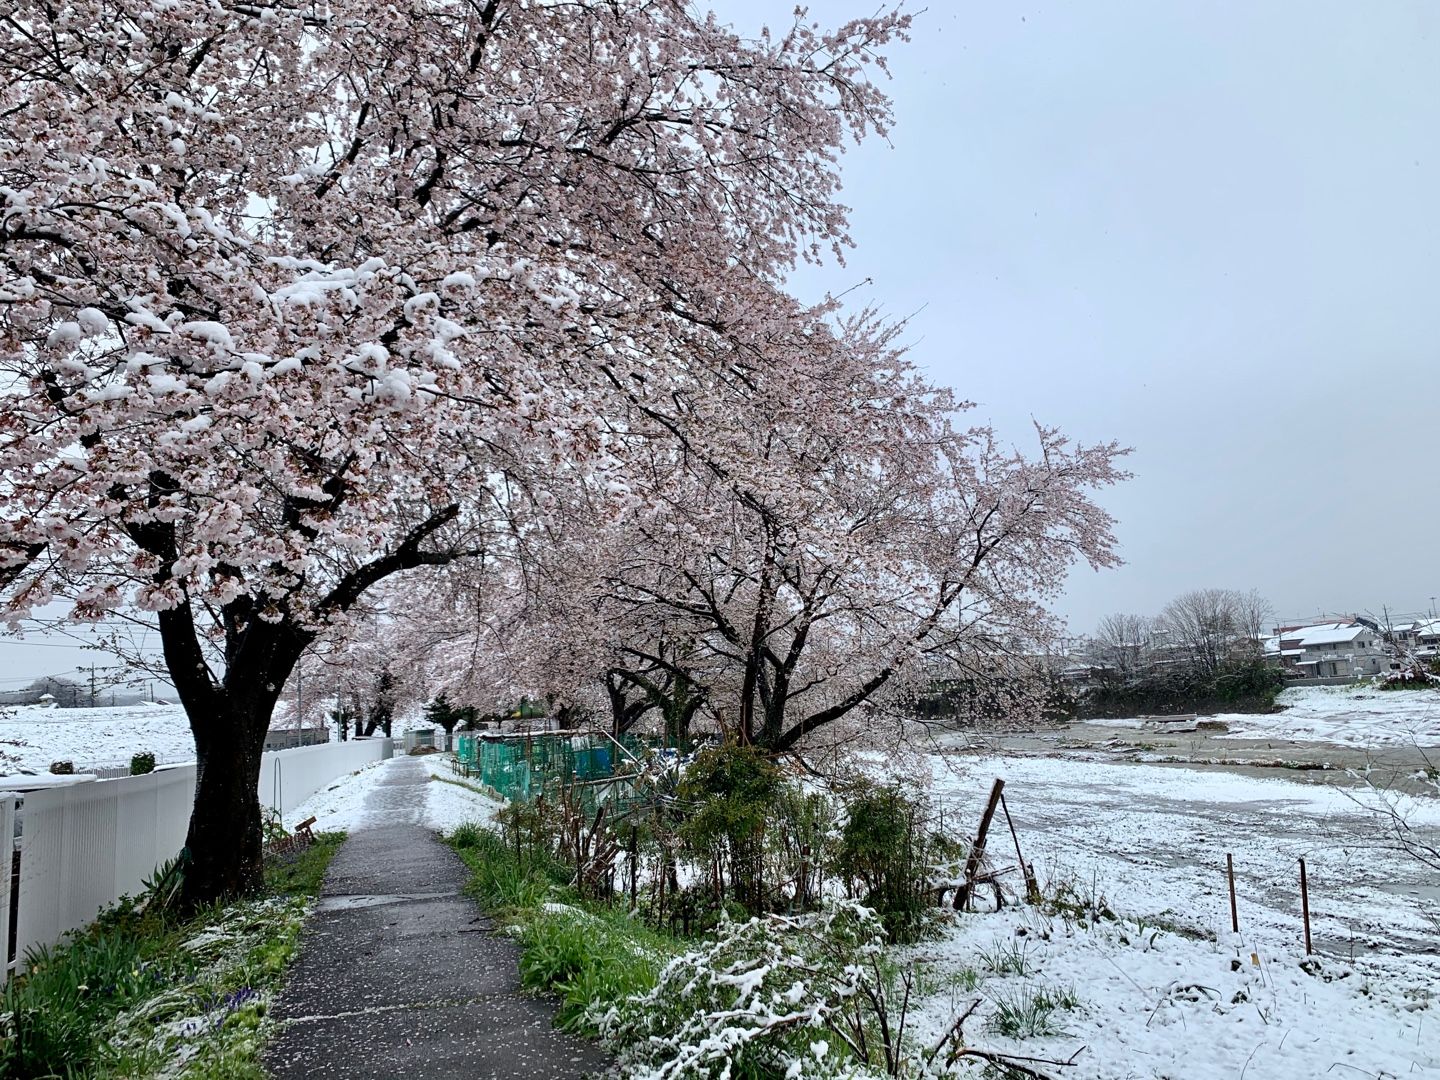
289	777
7	832
85	846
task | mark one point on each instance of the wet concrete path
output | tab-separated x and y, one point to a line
398	973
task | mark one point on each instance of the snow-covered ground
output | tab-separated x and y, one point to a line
359	801
31	737
1348	715
1155	1003
1359	716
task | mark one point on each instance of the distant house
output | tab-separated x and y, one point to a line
1420	637
1332	650
1427	638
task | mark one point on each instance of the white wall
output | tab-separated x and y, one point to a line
87	845
289	777
7	829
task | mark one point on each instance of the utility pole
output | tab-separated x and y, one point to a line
93	669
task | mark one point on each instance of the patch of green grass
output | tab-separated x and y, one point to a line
1006	958
1030	1012
587	954
142	993
588	958
301	873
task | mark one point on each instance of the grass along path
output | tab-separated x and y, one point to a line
140	993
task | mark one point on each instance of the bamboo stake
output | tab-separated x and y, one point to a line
977	851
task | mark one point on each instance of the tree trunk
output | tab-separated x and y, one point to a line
229	719
224	841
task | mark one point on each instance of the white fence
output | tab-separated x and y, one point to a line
7	828
85	846
289	777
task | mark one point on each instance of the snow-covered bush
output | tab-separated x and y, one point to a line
766	998
1414	677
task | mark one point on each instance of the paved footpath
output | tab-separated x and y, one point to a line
399	975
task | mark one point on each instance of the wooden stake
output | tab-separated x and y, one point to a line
1305	905
1230	877
1032	887
977	850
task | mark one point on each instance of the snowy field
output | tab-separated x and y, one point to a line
32	737
1348	715
1167	991
1358	716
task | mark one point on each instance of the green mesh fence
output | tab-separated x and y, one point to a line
551	763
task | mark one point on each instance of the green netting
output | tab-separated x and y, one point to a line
551	763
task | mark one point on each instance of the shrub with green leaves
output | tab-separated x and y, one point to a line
142	763
889	855
730	794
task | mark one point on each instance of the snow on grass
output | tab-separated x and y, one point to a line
1348	715
32	736
450	799
341	805
1155	838
1149	843
1141	1002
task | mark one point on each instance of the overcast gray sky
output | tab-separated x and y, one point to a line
1208	230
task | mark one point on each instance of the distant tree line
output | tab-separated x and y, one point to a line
69	694
1204	652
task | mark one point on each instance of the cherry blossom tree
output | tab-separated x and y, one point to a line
297	297
851	546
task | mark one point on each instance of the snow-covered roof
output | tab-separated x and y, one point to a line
1329	633
1301	631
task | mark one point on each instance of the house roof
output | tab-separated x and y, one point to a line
1329	633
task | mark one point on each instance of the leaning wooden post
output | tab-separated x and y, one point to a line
1305	905
1230	877
977	850
1032	887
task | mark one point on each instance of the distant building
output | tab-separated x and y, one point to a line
1419	637
1332	650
